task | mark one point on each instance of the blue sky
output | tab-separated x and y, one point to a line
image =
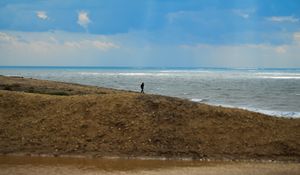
206	33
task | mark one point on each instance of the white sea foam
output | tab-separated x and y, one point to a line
89	73
124	74
288	114
280	77
280	113
134	74
184	71
278	73
196	100
199	100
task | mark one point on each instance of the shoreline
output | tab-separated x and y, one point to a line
284	114
273	113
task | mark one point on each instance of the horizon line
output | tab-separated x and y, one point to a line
150	67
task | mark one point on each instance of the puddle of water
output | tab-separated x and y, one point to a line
13	165
100	164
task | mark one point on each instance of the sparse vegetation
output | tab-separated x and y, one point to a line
7	87
57	93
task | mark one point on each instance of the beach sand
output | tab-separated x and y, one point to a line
41	117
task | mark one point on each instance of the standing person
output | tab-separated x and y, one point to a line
142	87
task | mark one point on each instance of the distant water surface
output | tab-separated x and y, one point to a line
270	91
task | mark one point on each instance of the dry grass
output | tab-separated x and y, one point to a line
104	122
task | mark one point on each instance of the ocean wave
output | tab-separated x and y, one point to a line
184	71
288	114
278	113
278	73
198	73
199	100
280	77
89	73
125	73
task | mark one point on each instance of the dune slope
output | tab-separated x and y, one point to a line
45	117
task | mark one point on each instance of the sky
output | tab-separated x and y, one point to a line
150	33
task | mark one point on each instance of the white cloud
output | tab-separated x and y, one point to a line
281	49
245	55
66	48
42	15
254	47
296	37
96	44
56	48
282	19
83	19
204	16
244	13
104	45
7	38
53	39
72	44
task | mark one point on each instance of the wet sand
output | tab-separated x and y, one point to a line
13	165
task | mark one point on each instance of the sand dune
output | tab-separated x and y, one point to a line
45	117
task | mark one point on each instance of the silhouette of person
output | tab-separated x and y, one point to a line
142	87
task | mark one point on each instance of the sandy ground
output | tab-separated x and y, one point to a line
46	117
61	166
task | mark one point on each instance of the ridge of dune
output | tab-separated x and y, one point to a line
47	117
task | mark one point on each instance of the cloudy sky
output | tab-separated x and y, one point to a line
172	33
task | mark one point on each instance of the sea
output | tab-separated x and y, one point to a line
271	91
